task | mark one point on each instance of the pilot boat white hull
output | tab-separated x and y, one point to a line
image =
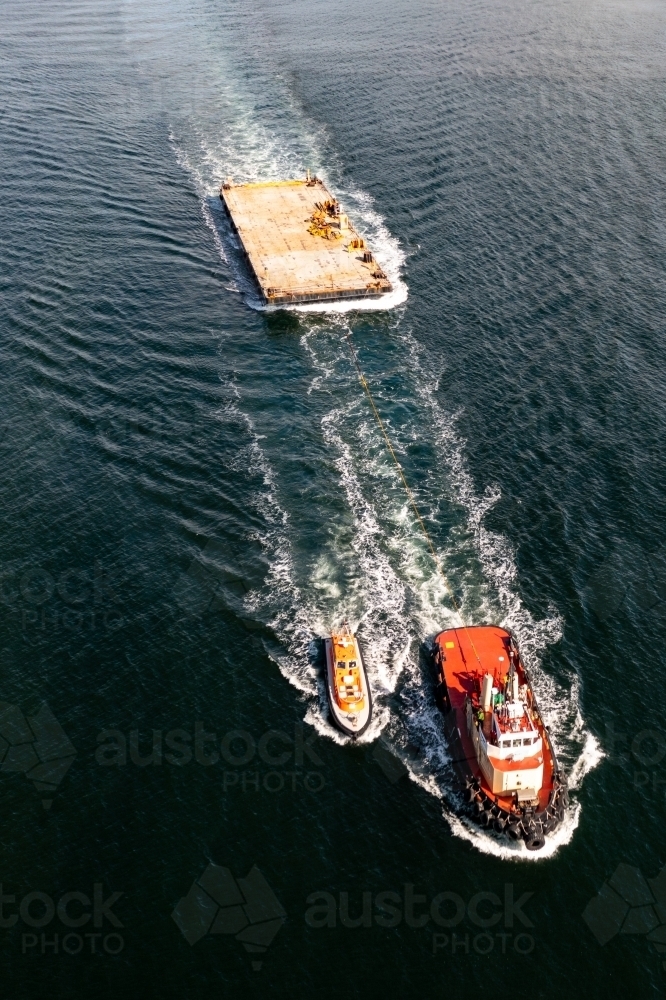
350	722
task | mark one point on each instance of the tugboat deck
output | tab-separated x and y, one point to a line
463	674
297	252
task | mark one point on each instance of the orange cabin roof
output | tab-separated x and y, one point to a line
344	647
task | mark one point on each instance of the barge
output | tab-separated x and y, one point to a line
299	244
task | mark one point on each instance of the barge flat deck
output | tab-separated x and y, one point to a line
300	246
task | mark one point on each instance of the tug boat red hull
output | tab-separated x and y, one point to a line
509	775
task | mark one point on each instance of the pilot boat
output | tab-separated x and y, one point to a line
509	773
347	685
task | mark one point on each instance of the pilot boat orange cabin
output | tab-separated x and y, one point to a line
503	753
347	685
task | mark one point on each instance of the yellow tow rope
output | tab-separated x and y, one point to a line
410	495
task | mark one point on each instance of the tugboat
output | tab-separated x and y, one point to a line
505	760
347	683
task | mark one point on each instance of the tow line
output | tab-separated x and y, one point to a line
410	495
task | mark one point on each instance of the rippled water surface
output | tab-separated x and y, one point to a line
195	491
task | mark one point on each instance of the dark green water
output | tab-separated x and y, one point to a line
194	490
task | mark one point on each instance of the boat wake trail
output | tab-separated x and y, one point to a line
577	748
300	613
254	129
377	593
404	597
279	603
373	603
392	596
298	623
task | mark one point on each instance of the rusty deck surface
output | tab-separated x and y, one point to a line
299	244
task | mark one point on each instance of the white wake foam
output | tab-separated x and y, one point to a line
386	525
395	597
